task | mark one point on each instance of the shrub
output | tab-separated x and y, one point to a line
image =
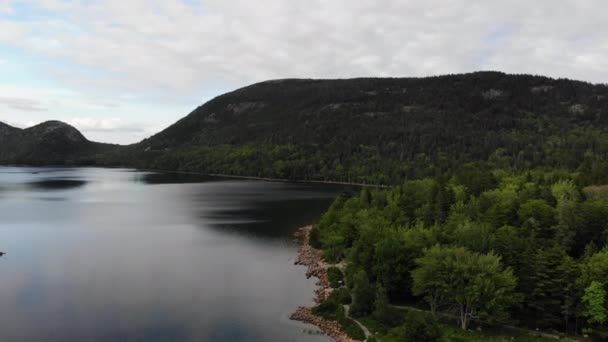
335	277
363	295
314	238
418	327
327	309
350	327
421	328
342	296
332	309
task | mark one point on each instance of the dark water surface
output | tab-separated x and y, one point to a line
118	255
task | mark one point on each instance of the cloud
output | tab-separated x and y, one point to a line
171	53
114	130
106	125
179	46
6	7
23	104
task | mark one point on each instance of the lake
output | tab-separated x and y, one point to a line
122	255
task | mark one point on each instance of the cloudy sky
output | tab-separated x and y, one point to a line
120	70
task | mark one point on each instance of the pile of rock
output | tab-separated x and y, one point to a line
330	328
313	259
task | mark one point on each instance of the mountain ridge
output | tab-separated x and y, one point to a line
51	142
381	130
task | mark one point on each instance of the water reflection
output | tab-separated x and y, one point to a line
122	259
56	184
170	178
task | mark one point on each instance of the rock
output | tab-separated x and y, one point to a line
313	259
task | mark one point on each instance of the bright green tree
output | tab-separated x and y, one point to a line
475	283
594	303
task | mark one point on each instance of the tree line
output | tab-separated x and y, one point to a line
493	245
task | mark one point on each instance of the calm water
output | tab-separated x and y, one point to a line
119	255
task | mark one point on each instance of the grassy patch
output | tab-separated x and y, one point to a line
453	334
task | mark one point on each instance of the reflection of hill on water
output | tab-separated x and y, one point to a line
171	178
56	184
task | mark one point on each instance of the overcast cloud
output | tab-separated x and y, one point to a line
176	54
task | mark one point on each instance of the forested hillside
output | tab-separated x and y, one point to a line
387	130
49	143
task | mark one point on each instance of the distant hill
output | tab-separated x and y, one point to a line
374	130
49	143
7	132
386	130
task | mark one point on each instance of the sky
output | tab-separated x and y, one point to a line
122	70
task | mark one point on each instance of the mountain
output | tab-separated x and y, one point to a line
7	132
386	130
49	143
366	130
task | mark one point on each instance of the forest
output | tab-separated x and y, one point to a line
483	246
368	130
386	130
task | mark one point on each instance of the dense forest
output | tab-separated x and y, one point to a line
368	130
386	131
483	245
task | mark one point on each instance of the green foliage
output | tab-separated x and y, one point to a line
539	217
565	190
314	239
393	260
548	288
335	277
381	305
327	309
527	246
350	327
458	335
332	309
595	268
381	131
342	296
476	283
363	295
418	327
594	303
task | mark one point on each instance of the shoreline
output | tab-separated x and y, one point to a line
313	259
265	179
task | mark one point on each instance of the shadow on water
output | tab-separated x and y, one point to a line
56	184
264	209
171	178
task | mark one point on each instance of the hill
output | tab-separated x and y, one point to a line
386	130
7	132
49	143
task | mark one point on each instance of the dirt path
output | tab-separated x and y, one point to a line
363	327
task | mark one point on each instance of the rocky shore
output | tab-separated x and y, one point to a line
313	259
